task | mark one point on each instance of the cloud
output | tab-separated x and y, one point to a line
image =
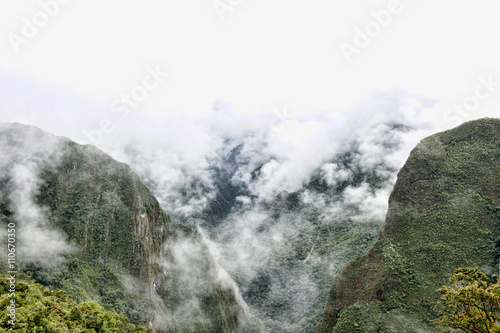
175	154
25	153
244	170
193	274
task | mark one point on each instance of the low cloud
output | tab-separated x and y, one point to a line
273	195
25	152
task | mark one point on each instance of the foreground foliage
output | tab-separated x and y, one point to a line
470	304
39	309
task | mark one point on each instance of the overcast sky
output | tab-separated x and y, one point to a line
253	55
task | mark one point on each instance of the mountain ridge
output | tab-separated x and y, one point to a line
444	212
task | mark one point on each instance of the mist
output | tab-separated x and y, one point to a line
284	202
24	155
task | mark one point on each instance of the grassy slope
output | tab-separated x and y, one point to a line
444	213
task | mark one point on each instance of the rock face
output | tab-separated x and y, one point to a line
444	213
106	238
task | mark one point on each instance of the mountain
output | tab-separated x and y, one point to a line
284	252
273	234
86	224
284	220
444	213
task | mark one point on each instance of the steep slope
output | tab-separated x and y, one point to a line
283	253
444	213
86	224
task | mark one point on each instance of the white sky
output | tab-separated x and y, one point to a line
264	54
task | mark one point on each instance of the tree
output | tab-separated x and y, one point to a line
39	309
470	304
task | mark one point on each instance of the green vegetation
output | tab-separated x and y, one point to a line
471	304
118	241
287	278
292	280
444	212
98	203
38	309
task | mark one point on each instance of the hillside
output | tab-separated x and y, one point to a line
444	213
86	224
